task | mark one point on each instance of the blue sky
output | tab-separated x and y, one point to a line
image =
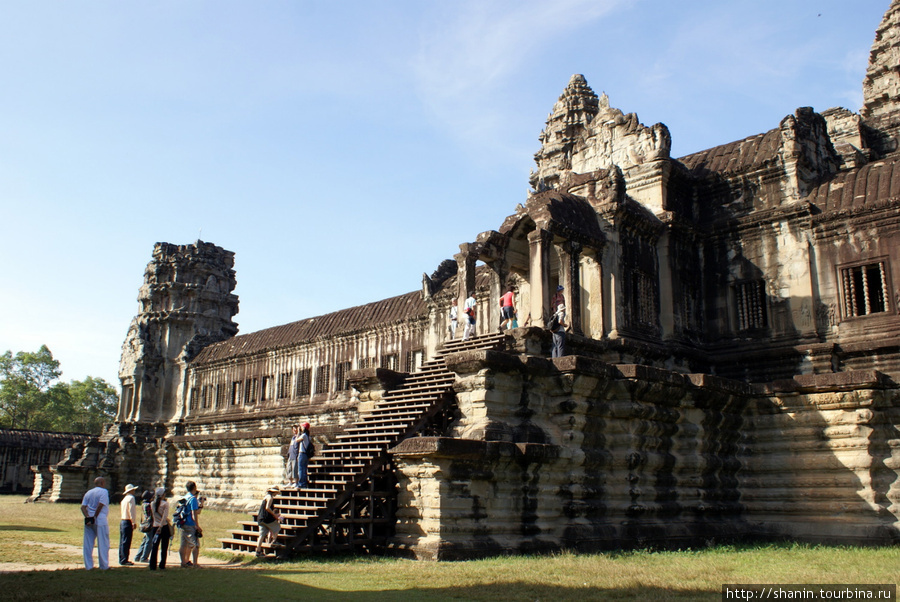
341	149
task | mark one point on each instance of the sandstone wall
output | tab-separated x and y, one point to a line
234	459
21	449
823	460
573	453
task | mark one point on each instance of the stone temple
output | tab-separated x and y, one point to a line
733	358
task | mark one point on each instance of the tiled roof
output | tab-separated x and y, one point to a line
39	439
742	155
345	321
868	185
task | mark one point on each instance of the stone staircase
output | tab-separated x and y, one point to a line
350	503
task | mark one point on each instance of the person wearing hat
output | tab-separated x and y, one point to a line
558	299
161	530
143	553
269	521
303	460
127	524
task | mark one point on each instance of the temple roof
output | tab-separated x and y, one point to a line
345	321
27	439
409	306
750	153
867	186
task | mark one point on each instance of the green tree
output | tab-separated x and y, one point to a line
26	381
31	399
95	402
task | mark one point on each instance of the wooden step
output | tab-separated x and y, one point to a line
341	462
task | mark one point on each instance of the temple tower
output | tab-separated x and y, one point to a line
881	87
185	304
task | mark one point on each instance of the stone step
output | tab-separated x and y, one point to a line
342	460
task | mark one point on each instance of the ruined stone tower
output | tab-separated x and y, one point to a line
185	304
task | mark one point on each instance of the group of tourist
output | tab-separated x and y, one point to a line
509	317
155	525
296	470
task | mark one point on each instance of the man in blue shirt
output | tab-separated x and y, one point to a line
191	528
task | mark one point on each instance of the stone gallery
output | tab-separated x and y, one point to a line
732	352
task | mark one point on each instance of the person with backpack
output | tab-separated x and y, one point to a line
557	328
143	553
307	449
190	526
269	521
161	529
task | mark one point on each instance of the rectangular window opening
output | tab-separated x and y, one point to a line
323	374
304	379
864	289
340	378
751	305
284	385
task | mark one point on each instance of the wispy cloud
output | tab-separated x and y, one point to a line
468	54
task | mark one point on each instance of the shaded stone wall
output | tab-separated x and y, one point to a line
824	460
577	454
233	461
21	450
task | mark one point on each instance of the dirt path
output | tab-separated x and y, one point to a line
76	563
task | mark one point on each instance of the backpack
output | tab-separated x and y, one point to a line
181	513
553	324
310	448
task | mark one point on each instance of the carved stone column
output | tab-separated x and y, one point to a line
666	292
499	273
465	276
539	276
573	285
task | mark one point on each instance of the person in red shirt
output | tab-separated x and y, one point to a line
507	307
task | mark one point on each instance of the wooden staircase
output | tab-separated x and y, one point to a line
350	502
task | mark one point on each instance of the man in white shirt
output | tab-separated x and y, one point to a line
469	309
95	507
127	525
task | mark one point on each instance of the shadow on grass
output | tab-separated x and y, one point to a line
259	584
29	528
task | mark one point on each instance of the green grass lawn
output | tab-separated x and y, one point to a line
684	575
